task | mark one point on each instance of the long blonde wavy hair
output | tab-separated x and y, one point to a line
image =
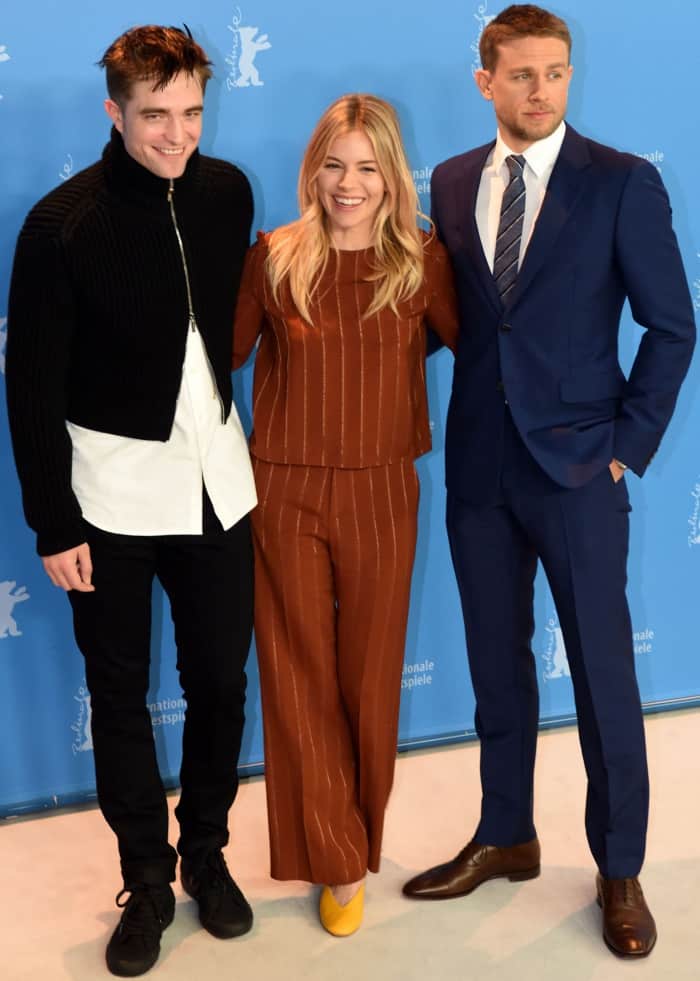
299	252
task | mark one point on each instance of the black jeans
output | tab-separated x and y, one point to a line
209	582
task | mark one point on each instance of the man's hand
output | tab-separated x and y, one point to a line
616	470
71	569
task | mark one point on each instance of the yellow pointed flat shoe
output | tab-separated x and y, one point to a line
339	920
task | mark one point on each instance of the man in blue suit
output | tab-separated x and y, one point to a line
549	233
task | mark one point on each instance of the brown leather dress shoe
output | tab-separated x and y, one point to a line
475	864
628	926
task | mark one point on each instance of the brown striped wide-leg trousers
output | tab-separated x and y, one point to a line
334	552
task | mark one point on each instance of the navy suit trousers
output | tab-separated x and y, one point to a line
581	537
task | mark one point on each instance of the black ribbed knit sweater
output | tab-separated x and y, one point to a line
98	314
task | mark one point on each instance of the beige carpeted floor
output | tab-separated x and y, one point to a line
58	877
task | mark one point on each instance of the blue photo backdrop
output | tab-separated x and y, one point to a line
278	65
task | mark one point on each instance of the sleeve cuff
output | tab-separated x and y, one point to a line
54	540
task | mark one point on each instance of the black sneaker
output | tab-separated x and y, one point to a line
135	944
223	909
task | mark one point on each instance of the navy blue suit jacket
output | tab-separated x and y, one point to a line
603	234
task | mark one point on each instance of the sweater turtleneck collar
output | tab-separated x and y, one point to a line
129	178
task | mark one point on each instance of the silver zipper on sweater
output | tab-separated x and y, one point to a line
192	319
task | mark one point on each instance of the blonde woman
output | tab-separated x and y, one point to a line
340	299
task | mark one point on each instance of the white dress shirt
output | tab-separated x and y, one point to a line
148	487
540	158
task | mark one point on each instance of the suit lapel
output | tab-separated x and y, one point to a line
466	191
566	185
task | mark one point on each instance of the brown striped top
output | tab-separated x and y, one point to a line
344	391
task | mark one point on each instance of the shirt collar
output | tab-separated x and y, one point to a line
540	156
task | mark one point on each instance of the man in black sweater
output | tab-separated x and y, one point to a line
133	463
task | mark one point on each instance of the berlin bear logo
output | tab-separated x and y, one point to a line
694	519
250	47
8	601
557	664
246	43
483	19
82	727
4	56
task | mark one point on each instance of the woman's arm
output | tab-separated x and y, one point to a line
441	314
250	307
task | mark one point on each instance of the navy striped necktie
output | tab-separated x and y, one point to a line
510	229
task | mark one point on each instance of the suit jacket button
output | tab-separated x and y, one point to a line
506	327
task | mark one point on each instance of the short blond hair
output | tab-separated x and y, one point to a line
518	21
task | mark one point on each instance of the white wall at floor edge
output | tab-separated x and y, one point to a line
277	66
